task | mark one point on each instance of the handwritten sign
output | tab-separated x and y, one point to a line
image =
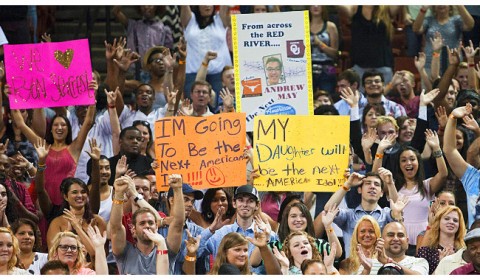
206	151
301	153
272	64
49	74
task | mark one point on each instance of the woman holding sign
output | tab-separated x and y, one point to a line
64	153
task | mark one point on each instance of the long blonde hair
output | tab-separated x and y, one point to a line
52	253
231	240
381	13
353	262
433	239
16	249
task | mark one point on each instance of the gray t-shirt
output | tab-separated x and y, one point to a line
134	262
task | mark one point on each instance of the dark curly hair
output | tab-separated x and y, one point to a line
65	187
22	221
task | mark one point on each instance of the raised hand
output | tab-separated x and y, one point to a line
385	175
329	214
282	258
182	48
432	139
227	97
354	179
98	239
41	148
463	111
437	42
175	181
95	150
427	98
453	57
126	60
441	115
470	123
46	38
219	222
171	96
210	55
369	138
168	59
187	108
399	205
262	225
260	238
122	166
350	97
4	147
191	243
121	184
420	61
156	237
112	96
386	143
470	51
2	70
329	259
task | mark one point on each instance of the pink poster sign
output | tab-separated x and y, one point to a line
49	74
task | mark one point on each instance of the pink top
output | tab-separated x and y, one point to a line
60	165
271	206
85	271
416	211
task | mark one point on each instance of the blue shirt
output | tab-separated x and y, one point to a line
347	219
470	181
202	264
211	246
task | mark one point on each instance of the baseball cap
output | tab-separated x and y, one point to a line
187	189
474	233
247	189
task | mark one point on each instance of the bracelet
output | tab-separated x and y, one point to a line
428	228
204	64
423	10
181	61
379	156
111	106
437	154
330	230
41	165
436	54
452	116
471	65
345	188
41	168
118	201
162	252
190	259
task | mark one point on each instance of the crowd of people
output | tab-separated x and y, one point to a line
78	188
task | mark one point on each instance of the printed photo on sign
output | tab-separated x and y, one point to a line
273	66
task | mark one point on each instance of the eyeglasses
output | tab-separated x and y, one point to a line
158	60
376	81
65	248
137	122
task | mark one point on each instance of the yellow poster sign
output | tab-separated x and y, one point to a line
301	153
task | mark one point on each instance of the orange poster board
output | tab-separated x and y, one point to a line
206	151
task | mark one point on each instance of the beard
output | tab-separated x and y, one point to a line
374	95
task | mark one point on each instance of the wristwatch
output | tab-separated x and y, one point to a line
138	197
